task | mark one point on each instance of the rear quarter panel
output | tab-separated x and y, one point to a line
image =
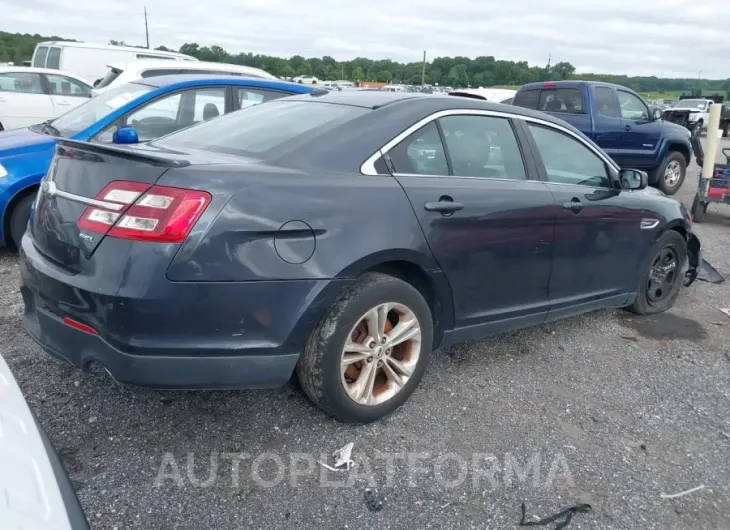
287	225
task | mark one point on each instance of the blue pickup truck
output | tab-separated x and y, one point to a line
620	122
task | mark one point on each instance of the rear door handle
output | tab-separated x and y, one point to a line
574	205
63	103
444	205
627	127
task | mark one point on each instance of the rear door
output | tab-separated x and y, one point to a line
66	92
488	223
598	235
607	126
641	135
23	101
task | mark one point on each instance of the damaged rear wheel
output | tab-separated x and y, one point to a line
368	354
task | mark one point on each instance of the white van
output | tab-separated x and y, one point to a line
119	73
89	61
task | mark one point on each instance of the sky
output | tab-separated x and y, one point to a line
667	38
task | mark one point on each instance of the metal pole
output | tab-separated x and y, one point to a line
146	28
713	129
423	69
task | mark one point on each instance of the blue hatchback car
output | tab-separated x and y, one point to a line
154	107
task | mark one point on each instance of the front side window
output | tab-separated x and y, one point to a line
21	82
39	61
568	161
632	107
482	146
421	153
605	101
60	85
263	130
247	97
209	103
54	59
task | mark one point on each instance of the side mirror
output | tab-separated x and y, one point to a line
126	135
633	179
657	113
96	83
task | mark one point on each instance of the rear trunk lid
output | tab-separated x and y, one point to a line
74	183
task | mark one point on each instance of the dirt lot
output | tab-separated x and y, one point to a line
605	409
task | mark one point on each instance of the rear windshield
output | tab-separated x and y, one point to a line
566	100
261	129
109	78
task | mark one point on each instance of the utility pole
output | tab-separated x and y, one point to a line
146	28
342	72
423	69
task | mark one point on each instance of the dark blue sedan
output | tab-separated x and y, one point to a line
154	106
341	235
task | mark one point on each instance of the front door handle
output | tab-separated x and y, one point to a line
574	205
445	205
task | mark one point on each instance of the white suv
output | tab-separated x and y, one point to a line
132	71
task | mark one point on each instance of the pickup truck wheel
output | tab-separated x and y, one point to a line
19	220
660	277
670	175
367	355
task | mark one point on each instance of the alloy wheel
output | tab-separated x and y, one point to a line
381	354
672	173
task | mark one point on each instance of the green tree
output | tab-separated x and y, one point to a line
358	74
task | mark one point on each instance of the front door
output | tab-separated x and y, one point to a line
488	225
23	101
598	235
641	135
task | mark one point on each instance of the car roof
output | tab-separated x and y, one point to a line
143	64
569	84
222	79
91	45
363	98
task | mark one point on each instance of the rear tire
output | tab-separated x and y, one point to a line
19	220
646	302
668	181
698	210
320	369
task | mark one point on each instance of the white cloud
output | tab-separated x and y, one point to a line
635	37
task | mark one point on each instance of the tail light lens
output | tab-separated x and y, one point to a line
133	210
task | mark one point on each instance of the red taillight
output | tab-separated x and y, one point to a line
549	83
132	210
70	322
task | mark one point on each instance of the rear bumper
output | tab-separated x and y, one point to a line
172	335
83	350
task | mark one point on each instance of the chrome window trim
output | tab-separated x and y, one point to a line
368	167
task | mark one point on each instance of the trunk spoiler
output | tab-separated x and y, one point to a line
121	152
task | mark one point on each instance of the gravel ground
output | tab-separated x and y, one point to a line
604	409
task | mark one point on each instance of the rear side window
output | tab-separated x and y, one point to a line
482	146
421	153
21	82
39	61
263	129
109	78
567	100
527	99
54	58
605	102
